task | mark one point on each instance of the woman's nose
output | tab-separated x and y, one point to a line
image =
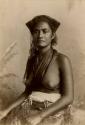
40	34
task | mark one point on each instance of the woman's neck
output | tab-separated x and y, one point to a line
44	49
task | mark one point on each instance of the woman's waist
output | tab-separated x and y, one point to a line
40	100
41	96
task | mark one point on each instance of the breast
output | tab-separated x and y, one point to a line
52	77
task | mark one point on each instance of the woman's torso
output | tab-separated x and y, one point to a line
50	80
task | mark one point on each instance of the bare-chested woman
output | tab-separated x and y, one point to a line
48	79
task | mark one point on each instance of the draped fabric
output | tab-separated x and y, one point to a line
21	114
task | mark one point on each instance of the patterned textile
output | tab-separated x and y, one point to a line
20	114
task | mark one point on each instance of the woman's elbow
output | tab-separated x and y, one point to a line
70	99
69	96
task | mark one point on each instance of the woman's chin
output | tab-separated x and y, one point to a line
41	45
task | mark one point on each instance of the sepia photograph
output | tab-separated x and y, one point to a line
42	62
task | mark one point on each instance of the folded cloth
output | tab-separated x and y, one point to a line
42	97
41	100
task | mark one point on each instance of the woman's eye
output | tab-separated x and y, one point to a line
45	31
36	31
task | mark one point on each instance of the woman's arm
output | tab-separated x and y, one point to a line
22	97
18	101
67	88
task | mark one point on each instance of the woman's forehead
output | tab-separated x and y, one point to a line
42	25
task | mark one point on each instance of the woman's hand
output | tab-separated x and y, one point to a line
34	120
3	114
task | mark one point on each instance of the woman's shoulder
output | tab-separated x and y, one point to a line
62	59
61	56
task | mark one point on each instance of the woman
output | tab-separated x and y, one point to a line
48	79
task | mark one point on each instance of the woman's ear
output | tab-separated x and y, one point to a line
53	36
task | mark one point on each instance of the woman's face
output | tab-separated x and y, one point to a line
42	35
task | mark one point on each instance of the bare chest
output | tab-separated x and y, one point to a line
52	78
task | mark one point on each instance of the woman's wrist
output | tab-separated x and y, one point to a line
41	115
6	111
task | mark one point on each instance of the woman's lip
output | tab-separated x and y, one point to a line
40	40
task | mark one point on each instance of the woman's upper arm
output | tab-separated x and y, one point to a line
66	76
